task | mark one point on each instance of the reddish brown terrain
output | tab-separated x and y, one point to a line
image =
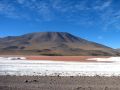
65	58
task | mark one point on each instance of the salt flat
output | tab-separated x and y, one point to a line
21	66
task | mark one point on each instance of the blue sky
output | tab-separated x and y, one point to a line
94	20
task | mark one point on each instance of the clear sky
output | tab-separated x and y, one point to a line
94	20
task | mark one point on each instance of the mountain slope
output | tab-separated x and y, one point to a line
53	43
118	49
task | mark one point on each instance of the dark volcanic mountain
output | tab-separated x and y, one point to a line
52	43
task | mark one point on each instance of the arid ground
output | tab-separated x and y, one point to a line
62	73
59	83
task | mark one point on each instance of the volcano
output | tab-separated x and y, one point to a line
53	43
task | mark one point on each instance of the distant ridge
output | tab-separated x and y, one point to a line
53	43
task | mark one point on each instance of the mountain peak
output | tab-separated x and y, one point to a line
48	33
52	36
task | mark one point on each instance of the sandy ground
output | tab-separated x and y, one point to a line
59	83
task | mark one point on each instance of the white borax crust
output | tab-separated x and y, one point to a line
18	67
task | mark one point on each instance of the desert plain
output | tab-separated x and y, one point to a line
59	73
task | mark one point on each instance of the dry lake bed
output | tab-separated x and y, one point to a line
96	73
